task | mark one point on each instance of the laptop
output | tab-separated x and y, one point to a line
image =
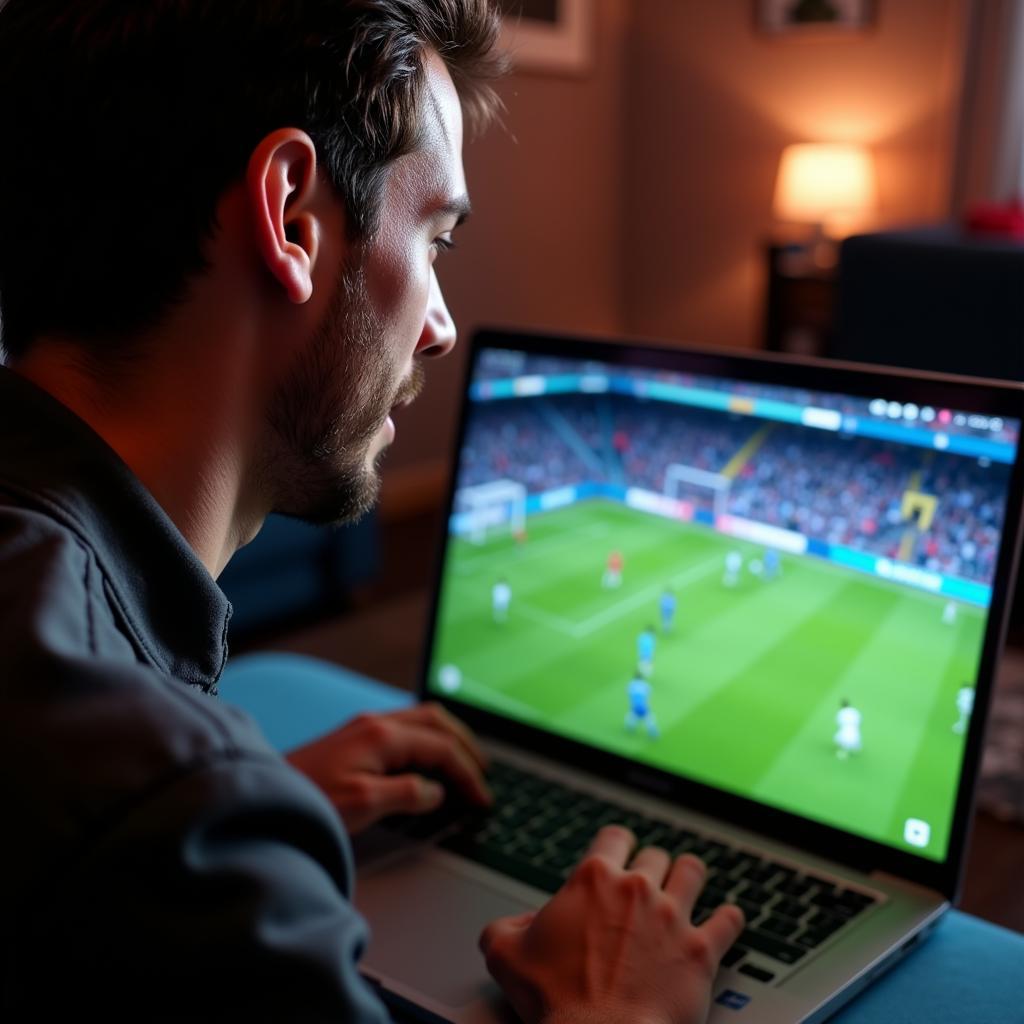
748	606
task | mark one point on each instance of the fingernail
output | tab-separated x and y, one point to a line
433	793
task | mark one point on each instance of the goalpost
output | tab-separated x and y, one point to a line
678	476
498	505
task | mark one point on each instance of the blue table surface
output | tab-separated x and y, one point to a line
967	971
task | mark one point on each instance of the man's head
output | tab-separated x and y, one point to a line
330	418
125	123
105	104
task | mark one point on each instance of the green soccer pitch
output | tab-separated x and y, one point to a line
746	683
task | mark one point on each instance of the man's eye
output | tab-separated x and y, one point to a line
442	244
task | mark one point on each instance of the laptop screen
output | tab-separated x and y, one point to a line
777	592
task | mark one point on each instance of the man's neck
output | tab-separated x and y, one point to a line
183	428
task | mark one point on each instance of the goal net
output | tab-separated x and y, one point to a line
486	509
704	489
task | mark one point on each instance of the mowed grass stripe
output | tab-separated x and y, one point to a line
653	550
766	630
740	730
504	655
710	645
929	790
892	681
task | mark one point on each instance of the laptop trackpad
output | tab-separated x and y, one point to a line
426	918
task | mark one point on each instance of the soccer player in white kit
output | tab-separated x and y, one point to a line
964	705
501	598
949	613
847	738
733	564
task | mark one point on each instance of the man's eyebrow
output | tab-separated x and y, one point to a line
459	208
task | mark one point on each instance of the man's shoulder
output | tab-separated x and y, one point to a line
52	592
78	706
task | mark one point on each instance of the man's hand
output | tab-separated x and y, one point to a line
615	945
356	765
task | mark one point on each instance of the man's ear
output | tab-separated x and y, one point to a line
286	199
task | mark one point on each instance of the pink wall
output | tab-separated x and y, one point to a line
636	198
711	104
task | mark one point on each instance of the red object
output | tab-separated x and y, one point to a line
997	219
615	562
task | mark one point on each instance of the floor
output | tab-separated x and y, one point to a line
381	636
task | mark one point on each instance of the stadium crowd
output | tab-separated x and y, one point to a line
836	488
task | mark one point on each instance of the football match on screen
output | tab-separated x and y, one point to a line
778	593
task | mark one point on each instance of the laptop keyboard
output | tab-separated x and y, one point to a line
540	830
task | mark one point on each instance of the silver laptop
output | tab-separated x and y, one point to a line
749	607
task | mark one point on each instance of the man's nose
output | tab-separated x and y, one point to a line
438	336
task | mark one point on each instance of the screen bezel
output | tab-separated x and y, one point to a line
995	398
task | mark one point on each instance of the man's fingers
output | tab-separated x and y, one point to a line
408	743
685	880
614	843
434	716
400	794
652	862
723	928
505	926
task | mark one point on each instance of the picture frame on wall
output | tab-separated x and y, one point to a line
547	35
817	18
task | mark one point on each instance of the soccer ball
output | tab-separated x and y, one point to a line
449	678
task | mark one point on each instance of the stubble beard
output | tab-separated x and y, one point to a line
327	414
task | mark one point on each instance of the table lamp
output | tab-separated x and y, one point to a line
828	186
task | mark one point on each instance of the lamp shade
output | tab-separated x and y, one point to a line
824	183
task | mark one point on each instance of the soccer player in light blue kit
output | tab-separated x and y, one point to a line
772	564
645	652
667	605
639	691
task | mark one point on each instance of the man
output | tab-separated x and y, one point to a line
218	228
964	707
667	607
639	693
847	738
733	565
501	598
613	570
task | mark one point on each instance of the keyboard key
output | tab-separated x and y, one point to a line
831	902
532	874
825	922
784	927
556	860
733	956
756	972
797	888
751	911
823	885
730	861
754	894
812	938
777	949
790	908
679	841
761	873
855	901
